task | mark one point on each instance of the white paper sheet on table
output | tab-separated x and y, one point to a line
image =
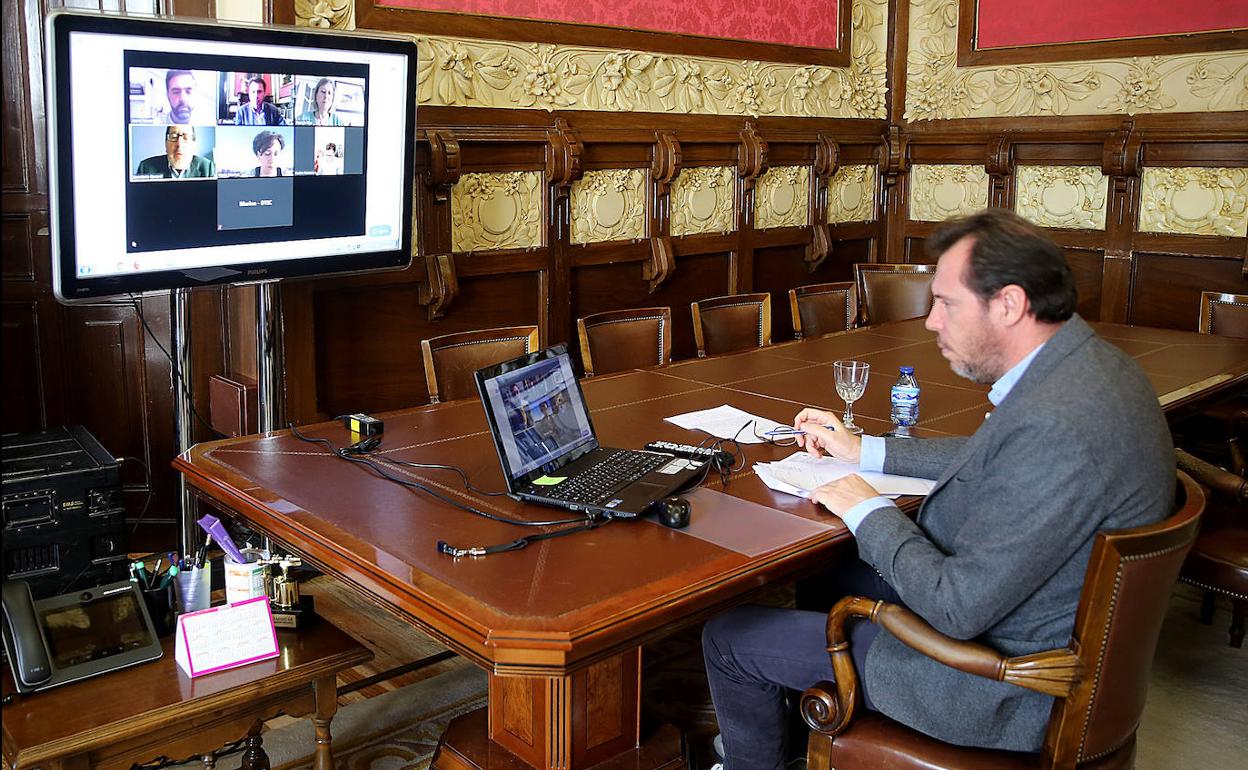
727	422
800	472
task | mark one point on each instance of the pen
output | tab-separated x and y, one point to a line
168	577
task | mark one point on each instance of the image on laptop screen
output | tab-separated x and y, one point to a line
539	414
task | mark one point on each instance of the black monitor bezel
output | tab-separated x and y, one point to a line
69	287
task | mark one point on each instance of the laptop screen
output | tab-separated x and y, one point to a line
537	413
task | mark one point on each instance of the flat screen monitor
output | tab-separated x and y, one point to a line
184	154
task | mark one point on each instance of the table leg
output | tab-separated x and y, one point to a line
254	756
588	719
326	706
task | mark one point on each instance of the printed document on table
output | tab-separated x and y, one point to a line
727	422
800	473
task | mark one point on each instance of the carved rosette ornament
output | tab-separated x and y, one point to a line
1194	201
702	201
325	14
1073	197
782	198
936	88
609	205
940	192
851	195
496	211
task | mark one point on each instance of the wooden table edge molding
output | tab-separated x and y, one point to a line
142	738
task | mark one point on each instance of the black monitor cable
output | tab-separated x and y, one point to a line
359	456
179	381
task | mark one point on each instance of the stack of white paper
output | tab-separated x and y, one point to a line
801	472
728	422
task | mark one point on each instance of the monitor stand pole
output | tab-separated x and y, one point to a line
268	406
183	417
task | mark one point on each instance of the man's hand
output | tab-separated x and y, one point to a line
825	433
844	493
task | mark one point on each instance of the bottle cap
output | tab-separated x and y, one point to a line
907	370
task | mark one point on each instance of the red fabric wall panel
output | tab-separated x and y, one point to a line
1006	23
789	22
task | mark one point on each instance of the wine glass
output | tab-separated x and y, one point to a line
851	381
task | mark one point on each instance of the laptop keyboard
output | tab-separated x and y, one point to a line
598	482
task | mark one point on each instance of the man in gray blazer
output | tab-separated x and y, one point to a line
1076	443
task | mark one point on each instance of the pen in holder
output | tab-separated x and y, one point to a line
193	588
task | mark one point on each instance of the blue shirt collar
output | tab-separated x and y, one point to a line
1002	387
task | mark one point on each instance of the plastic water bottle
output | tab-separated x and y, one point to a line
905	396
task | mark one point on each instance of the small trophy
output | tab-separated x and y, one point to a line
290	609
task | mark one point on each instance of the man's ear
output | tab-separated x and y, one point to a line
1014	304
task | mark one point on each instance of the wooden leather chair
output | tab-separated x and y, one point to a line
1218	562
452	359
823	308
731	323
1100	681
893	292
618	340
1223	314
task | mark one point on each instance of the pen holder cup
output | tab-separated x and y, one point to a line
194	589
249	580
160	606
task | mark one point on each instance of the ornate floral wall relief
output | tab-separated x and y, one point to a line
851	195
1062	196
496	211
465	72
609	205
702	200
937	88
1194	201
782	198
940	192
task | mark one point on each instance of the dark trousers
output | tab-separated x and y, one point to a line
758	659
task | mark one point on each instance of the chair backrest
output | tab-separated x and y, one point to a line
451	360
823	308
618	340
1224	314
731	323
1125	596
893	292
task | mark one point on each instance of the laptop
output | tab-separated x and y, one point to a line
548	450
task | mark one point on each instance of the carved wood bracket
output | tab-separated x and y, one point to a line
440	286
1000	167
661	264
894	155
665	160
444	164
1123	155
827	160
751	155
564	157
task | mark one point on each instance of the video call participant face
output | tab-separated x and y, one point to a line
268	145
179	146
180	90
324	96
255	92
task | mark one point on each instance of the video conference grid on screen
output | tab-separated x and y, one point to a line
224	149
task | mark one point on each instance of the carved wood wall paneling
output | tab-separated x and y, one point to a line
1061	196
937	88
367	339
597	288
23	169
1088	266
1166	287
1184	152
778	269
1194	201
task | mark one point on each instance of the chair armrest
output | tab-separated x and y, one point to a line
1210	475
828	707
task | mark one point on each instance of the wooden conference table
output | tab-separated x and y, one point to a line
559	625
